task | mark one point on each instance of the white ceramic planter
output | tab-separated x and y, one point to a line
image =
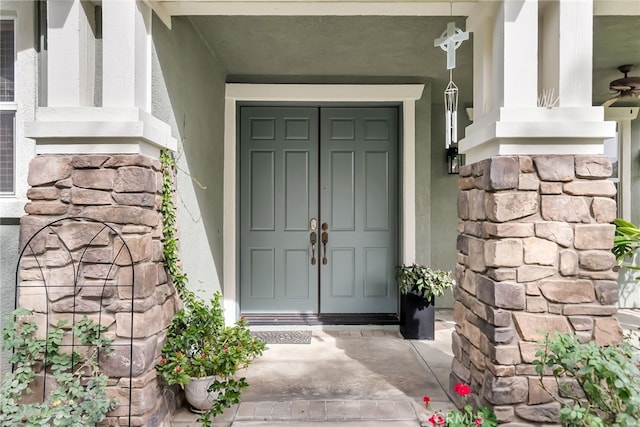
197	395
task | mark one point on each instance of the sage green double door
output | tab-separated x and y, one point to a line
325	175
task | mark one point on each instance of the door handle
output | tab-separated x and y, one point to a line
313	238
325	240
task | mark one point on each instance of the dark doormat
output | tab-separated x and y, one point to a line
283	337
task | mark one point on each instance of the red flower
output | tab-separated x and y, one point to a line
243	317
462	389
479	421
178	369
203	355
437	420
163	360
225	348
426	400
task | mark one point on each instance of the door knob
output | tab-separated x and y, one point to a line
325	240
313	238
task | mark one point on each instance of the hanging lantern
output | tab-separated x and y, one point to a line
453	160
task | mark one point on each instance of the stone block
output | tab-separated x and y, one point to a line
503	253
469	282
462	244
597	260
506	295
120	160
135	199
558	232
465	170
146	279
497	316
140	249
463	205
47	169
593	166
456	345
500	370
504	414
98	271
503	173
568	263
532	289
75	305
88	161
528	351
476	200
528	181
565	209
476	255
502	274
103	319
97	179
83	196
145	324
530	273
98	255
589	310
603	188
536	304
594	236
76	235
123	215
540	251
581	323
550	188
505	354
544	413
604	209
567	291
570	387
49	207
508	229
474	228
510	205
539	394
43	193
466	183
533	327
118	362
57	258
526	164
607	331
461	371
598	275
33	298
606	291
505	390
555	168
135	179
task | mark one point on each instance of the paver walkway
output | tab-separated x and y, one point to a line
347	377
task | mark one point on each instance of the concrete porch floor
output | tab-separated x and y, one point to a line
364	376
351	377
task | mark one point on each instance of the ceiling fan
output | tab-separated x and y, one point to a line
626	87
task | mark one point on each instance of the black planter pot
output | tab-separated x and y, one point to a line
417	317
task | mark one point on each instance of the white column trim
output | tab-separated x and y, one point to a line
405	94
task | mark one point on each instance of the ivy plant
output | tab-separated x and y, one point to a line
608	375
79	398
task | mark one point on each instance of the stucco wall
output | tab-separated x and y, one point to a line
629	287
188	93
12	207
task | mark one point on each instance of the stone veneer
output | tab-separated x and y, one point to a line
125	192
534	256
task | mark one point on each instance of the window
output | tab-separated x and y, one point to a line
7	105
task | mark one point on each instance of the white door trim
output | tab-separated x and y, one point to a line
234	93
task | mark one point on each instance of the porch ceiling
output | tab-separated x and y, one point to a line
380	49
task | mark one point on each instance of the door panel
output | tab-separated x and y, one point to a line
358	179
353	192
278	195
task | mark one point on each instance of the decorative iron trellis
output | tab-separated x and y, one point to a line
93	252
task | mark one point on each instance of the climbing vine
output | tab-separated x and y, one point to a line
170	245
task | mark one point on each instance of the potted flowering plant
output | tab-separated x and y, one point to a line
484	416
202	355
419	285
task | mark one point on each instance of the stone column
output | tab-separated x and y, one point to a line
534	256
123	191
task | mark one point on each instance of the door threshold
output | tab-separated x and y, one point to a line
298	319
